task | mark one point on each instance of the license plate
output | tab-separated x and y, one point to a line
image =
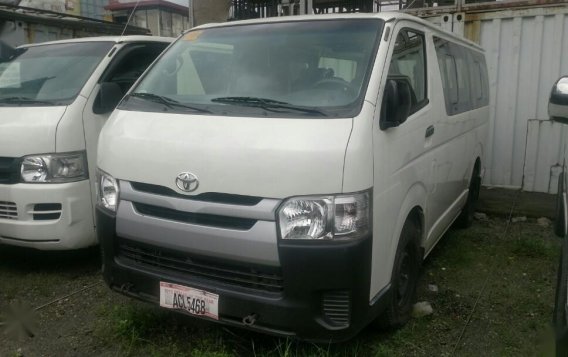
194	301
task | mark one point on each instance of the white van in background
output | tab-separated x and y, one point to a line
54	99
558	112
289	175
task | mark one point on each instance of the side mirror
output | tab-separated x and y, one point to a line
108	98
397	102
6	52
558	103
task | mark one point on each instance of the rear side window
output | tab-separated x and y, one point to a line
478	74
408	63
449	73
464	77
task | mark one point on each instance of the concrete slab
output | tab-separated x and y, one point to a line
499	201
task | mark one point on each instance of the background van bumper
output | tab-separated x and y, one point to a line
47	216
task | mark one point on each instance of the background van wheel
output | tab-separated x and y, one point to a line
406	271
465	219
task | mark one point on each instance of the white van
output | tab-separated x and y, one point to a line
558	112
290	175
54	99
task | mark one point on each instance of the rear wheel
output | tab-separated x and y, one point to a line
404	278
465	219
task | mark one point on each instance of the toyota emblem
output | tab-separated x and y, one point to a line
186	181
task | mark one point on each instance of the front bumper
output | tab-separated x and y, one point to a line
47	216
320	283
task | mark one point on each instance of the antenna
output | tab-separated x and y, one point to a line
130	17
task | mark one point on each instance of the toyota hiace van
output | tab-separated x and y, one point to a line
289	175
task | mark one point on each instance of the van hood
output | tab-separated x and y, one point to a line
265	157
28	130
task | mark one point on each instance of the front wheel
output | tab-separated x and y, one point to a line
404	278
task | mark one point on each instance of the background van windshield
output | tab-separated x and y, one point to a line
301	68
49	74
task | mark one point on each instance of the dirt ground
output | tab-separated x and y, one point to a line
491	288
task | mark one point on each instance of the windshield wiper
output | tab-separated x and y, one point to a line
167	101
24	100
266	103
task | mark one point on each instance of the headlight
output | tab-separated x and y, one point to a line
107	191
54	168
325	217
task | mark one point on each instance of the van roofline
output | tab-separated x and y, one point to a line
115	39
385	16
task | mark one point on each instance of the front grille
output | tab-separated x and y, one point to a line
336	307
195	218
9	170
191	266
214	197
46	211
8	210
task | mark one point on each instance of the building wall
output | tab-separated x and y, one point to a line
159	20
526	53
206	11
50	5
86	8
94	9
23	32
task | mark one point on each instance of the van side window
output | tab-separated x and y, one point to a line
479	78
475	72
464	80
464	77
128	64
408	63
449	78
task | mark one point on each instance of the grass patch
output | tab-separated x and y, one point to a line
533	247
142	328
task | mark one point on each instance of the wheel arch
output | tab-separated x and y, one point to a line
413	207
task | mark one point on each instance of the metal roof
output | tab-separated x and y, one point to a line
31	15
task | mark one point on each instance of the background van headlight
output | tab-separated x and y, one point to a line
54	168
325	217
107	191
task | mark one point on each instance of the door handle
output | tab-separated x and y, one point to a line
430	131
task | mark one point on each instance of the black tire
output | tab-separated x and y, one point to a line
404	279
465	219
559	224
560	318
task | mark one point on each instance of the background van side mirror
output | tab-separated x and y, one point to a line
397	102
558	103
6	52
108	98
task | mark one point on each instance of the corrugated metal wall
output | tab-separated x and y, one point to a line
527	51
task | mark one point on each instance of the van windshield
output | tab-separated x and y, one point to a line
50	74
300	69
